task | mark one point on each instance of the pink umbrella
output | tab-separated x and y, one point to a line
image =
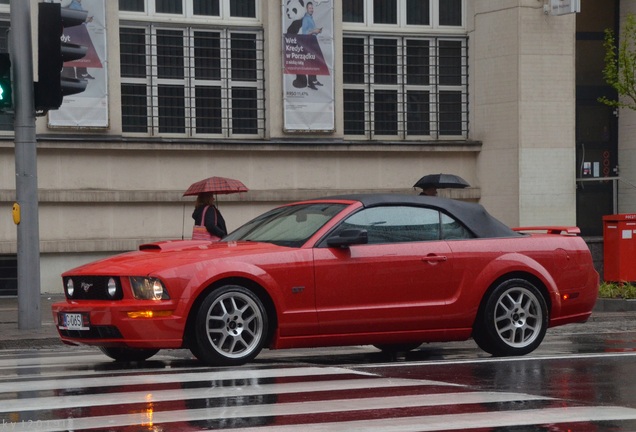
217	185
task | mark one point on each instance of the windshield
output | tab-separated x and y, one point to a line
287	226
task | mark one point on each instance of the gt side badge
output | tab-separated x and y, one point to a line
298	289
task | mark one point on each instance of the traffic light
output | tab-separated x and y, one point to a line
53	51
6	95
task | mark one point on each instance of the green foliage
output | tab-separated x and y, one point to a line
620	65
613	290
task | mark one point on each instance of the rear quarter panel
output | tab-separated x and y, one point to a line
560	264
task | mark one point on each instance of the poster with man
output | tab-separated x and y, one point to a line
89	108
308	55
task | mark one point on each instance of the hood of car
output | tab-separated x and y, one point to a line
153	257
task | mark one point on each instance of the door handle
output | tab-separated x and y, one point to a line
435	258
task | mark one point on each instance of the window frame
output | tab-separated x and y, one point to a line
189	82
187	15
368	23
442	109
434	89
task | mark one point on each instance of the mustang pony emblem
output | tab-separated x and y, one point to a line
86	286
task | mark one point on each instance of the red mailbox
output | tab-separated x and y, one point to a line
619	248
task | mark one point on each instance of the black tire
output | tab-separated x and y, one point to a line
399	347
128	354
230	328
513	319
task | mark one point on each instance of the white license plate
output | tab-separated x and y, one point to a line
73	321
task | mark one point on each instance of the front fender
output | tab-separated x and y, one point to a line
204	274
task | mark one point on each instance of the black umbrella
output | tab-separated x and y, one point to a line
441	181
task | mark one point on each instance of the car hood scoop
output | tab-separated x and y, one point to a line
172	245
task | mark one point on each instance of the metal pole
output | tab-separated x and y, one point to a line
615	195
25	167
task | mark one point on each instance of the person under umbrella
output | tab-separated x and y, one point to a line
431	182
429	190
208	221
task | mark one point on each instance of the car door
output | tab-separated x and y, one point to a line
398	281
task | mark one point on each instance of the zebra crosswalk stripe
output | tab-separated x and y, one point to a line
290	408
60	402
466	421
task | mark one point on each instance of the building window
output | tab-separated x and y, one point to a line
192	82
132	5
404	13
192	8
8	275
450	13
405	69
405	87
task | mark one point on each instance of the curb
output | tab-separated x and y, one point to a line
31	344
615	305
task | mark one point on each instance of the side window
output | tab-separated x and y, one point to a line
453	230
396	224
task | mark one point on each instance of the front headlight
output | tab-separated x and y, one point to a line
70	288
144	288
111	288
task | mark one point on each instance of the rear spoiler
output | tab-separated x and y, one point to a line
552	229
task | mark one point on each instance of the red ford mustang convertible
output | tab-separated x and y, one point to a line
392	271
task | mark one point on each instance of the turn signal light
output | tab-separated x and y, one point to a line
149	314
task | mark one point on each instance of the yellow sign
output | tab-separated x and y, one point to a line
16	213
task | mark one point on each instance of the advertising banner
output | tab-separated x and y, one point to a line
88	109
308	53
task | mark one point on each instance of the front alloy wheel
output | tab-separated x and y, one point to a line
513	320
230	327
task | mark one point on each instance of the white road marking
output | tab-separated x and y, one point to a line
293	408
468	421
124	397
159	378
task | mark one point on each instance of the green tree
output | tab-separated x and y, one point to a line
620	65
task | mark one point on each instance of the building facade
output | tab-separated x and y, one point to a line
183	90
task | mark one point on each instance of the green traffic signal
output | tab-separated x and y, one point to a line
6	99
5	93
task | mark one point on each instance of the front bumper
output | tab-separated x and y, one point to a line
109	323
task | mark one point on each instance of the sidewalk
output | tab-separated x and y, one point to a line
11	337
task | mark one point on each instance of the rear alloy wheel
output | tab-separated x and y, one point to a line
128	354
513	320
230	327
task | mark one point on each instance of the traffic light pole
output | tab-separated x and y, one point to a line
25	167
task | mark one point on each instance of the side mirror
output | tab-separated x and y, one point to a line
349	237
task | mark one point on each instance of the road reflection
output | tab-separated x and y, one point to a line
222	408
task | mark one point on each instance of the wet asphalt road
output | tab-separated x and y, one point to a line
582	378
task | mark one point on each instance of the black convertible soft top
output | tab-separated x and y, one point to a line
472	215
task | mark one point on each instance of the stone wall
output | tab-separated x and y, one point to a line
596	248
